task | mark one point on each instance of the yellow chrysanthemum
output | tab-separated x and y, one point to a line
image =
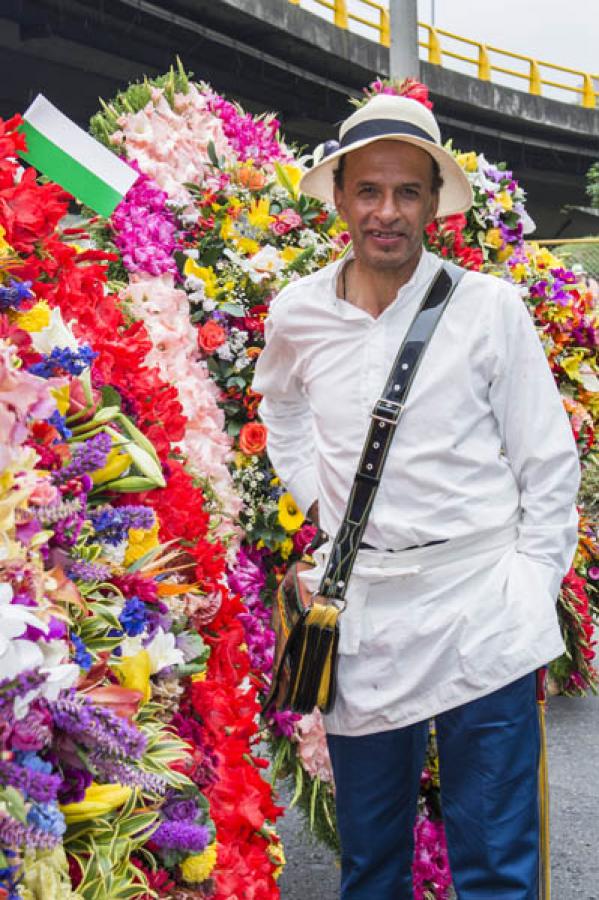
206	273
519	272
259	215
290	515
290	253
36	318
505	199
503	255
468	161
246	245
197	868
286	548
493	238
141	541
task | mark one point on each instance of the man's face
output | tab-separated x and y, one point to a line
387	200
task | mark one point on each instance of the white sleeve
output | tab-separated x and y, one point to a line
536	436
285	411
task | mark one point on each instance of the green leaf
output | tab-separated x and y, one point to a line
233	309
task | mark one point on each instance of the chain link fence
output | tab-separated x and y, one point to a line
580	252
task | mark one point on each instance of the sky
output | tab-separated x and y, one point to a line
537	28
560	31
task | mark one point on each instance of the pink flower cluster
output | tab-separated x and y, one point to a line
250	138
171	145
286	221
431	863
165	311
22	395
145	230
312	747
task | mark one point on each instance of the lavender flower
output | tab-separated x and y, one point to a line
186	836
14	834
55	512
13	688
112	524
35	785
112	771
63	359
97	728
87	457
84	571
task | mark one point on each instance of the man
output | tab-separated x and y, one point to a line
476	505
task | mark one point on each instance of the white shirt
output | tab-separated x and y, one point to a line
484	449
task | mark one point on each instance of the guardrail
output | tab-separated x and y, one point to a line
486	60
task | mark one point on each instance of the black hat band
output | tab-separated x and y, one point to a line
381	128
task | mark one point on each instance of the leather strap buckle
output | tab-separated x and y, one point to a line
387	411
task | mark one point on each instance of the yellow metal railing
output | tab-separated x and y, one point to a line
486	60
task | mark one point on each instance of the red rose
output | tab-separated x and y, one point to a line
252	438
210	336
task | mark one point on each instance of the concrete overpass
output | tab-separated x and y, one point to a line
271	54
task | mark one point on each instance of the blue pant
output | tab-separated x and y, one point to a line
488	757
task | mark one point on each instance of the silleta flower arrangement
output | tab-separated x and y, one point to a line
145	530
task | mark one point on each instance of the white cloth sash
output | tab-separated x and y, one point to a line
374	566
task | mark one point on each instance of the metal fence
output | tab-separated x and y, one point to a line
583	252
444	48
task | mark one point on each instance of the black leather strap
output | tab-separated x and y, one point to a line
385	418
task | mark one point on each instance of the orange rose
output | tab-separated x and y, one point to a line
252	438
210	336
251	178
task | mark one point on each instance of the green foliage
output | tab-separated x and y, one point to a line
103	848
593	184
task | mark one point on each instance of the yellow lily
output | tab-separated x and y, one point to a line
99	799
117	462
134	672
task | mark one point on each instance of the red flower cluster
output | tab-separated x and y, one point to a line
447	238
240	800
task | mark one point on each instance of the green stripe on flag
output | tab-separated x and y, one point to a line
57	165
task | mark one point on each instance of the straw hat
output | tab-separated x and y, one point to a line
390	117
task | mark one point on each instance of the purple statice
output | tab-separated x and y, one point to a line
81	656
112	771
47	817
15	834
87	456
134	616
145	230
185	836
111	524
84	571
63	360
33	784
14	293
96	728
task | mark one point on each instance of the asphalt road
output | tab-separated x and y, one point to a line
573	751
